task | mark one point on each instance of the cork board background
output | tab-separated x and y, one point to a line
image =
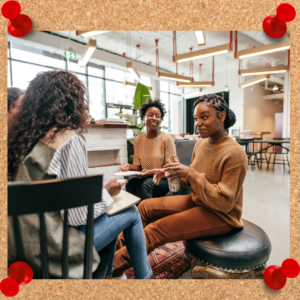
156	15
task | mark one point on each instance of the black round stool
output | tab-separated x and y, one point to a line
239	254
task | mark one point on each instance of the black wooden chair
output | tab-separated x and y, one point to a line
251	154
58	195
282	152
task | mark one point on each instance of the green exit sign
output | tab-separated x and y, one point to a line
70	55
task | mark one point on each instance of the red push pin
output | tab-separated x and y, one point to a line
19	273
19	24
275	277
275	26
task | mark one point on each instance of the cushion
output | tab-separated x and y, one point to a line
241	248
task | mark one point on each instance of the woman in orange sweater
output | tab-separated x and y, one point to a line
216	177
152	150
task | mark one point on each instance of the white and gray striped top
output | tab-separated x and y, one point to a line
69	161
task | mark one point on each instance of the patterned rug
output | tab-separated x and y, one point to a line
167	262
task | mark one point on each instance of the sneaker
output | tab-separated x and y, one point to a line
123	276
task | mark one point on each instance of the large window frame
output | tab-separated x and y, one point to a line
169	93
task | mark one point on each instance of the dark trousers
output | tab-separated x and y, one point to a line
145	188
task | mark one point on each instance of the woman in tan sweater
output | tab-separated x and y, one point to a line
216	177
152	150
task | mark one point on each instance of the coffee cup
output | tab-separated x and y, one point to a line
174	185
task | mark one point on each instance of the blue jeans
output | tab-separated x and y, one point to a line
106	232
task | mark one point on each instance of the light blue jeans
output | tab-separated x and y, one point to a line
106	232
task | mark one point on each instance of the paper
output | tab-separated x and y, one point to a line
123	201
127	173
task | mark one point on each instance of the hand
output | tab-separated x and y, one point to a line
158	176
113	187
145	173
178	170
123	167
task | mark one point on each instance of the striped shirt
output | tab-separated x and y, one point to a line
69	161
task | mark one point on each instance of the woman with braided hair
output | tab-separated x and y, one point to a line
216	177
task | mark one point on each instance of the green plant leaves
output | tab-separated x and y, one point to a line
141	95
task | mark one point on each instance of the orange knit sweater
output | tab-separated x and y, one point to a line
217	174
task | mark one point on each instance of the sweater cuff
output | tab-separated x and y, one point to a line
191	177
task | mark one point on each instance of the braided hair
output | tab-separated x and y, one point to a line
219	104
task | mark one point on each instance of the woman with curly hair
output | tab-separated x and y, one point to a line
46	144
152	150
216	177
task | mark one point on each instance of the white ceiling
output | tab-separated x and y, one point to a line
118	42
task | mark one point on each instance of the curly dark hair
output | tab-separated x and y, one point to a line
13	95
53	100
219	104
150	103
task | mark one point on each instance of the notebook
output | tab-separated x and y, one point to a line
123	201
127	173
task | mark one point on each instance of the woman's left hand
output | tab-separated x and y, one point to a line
178	170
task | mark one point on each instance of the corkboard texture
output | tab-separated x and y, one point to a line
156	15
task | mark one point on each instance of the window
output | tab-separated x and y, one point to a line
104	84
96	98
170	97
18	71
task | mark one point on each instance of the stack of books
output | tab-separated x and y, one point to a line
112	121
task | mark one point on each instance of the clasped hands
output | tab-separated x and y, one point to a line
171	171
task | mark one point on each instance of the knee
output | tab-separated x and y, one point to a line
134	213
131	185
148	184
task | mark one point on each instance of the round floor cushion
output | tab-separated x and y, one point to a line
244	248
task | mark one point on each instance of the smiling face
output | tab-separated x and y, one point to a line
152	118
209	121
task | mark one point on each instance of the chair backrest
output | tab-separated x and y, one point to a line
57	195
184	150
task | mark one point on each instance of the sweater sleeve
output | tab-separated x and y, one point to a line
69	161
221	196
136	157
170	151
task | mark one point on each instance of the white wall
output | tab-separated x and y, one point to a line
259	114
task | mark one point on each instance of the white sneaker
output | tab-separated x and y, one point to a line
123	276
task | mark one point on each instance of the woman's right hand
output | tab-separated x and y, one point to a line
123	167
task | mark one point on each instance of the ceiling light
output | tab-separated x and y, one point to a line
133	71
175	77
202	53
87	52
197	84
200	38
254	80
135	84
89	33
187	95
264	49
275	87
260	71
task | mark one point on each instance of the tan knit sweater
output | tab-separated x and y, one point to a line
217	174
154	153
